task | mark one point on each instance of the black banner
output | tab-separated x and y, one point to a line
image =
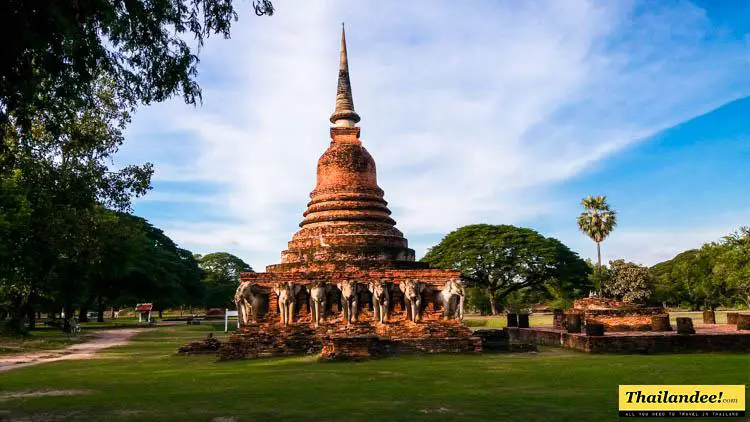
682	413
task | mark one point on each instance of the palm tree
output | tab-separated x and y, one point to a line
597	221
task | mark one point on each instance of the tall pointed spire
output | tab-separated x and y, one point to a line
344	114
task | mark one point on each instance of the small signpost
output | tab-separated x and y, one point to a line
227	314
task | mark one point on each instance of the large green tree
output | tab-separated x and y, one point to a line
165	274
501	259
55	51
57	183
673	278
716	274
222	276
733	264
597	221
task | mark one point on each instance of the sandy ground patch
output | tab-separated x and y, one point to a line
102	340
40	393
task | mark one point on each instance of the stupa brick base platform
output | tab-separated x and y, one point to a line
358	340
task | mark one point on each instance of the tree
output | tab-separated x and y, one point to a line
222	277
597	221
628	281
59	49
57	182
165	274
733	264
693	278
503	259
716	274
671	278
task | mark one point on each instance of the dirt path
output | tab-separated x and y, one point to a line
102	340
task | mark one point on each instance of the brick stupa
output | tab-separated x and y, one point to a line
347	224
348	234
347	229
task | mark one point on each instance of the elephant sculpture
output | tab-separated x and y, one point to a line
412	291
249	302
349	290
286	292
318	292
380	300
452	299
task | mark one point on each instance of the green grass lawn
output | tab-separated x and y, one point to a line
147	381
113	323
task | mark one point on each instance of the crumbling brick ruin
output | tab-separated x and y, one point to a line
616	316
348	284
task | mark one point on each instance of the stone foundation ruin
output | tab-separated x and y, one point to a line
597	325
615	316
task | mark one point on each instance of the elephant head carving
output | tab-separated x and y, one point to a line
249	302
349	300
412	291
286	293
380	299
452	299
318	293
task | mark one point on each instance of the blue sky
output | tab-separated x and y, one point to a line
485	112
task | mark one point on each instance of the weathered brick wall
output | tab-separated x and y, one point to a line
270	339
435	277
373	346
624	319
640	343
337	339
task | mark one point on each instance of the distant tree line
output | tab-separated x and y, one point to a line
717	274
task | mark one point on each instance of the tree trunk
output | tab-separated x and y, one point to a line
68	316
599	269
83	314
100	309
16	322
31	317
112	314
491	297
160	311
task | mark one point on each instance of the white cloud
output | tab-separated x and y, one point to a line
466	108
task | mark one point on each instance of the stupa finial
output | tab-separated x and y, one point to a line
344	114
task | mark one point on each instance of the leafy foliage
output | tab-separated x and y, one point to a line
733	264
628	281
71	71
55	51
503	259
222	276
716	274
598	219
55	187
